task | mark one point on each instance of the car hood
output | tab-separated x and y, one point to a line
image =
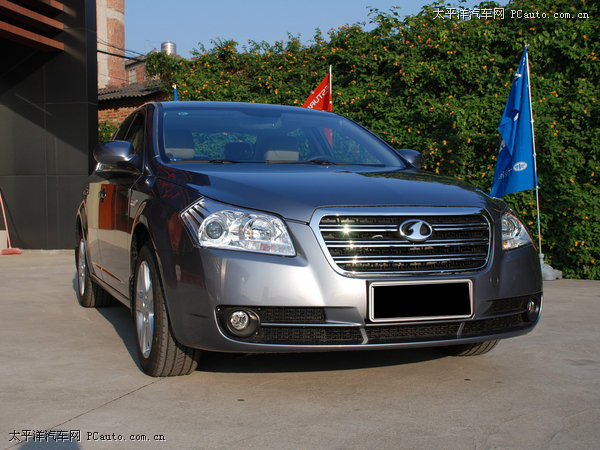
295	191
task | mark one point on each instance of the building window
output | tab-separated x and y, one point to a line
132	76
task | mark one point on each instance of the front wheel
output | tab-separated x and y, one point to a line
478	348
159	353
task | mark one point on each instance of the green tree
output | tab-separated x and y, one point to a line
105	131
439	84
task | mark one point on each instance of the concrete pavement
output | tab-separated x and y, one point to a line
74	371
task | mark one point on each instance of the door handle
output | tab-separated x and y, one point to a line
102	195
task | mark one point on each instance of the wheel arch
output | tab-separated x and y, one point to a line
81	222
150	226
142	233
139	237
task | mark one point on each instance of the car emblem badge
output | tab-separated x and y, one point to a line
520	166
416	230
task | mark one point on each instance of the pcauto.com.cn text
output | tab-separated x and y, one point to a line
503	13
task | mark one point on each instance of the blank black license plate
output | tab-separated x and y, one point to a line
409	301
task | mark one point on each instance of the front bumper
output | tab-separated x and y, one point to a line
306	305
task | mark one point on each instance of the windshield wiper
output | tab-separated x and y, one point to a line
322	162
222	161
203	161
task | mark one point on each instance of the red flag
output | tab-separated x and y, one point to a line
320	98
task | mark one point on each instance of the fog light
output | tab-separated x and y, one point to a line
242	322
239	320
533	310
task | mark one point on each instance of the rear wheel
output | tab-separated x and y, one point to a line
478	348
89	294
159	352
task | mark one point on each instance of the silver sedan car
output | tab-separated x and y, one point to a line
261	228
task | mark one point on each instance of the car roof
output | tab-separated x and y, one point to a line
199	105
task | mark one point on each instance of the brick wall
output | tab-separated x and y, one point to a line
110	29
114	115
116	65
141	73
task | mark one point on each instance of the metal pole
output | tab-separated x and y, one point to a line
330	89
537	186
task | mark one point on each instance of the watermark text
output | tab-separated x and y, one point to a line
503	13
63	436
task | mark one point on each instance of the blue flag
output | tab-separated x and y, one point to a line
175	97
515	168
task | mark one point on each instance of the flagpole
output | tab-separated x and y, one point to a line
330	87
537	184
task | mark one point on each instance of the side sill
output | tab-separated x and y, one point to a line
116	294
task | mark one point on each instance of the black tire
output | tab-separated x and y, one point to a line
89	294
478	348
159	353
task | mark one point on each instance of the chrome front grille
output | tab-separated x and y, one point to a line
373	243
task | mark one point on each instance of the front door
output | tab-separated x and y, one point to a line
114	220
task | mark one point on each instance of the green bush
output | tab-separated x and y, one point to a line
105	131
439	85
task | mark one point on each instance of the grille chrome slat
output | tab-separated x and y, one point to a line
357	227
437	227
392	258
373	244
459	228
429	243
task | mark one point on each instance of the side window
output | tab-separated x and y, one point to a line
135	135
122	130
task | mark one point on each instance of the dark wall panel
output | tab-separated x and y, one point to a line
23	140
62	192
48	124
68	147
27	212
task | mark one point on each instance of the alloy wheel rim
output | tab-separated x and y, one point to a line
144	309
81	268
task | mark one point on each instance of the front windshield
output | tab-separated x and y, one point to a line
265	135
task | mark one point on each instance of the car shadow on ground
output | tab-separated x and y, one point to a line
313	362
119	316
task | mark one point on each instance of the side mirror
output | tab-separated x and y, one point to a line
412	156
118	153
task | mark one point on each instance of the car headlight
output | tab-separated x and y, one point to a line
216	225
514	233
